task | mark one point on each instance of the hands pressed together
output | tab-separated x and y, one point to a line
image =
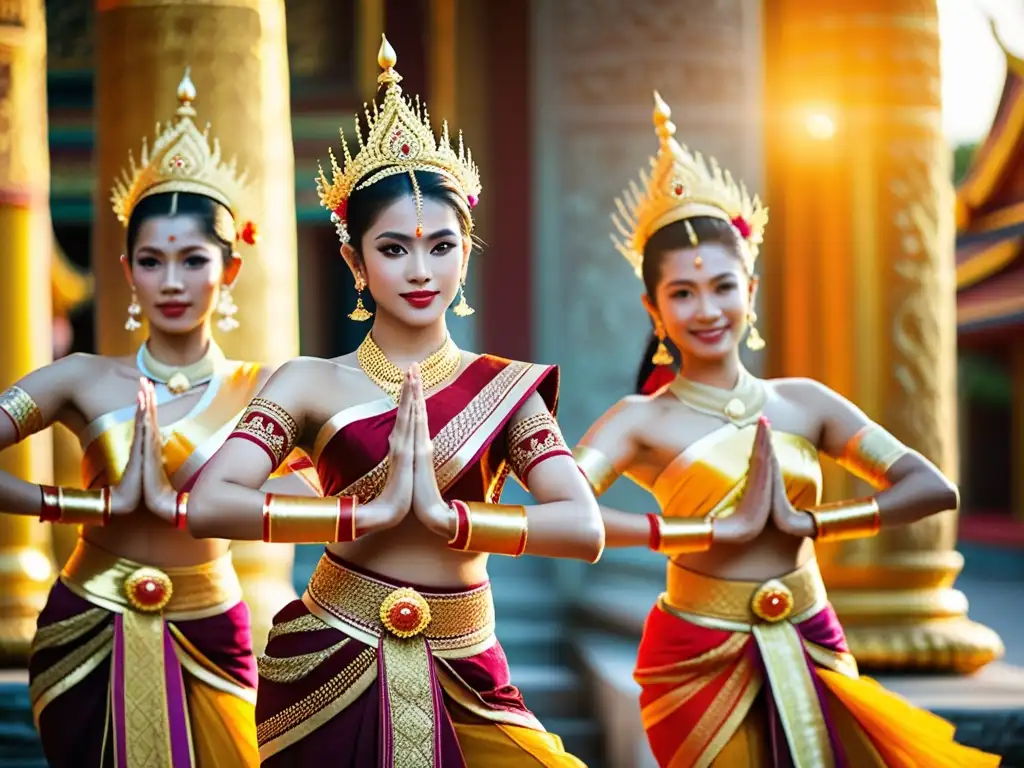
411	484
144	482
764	497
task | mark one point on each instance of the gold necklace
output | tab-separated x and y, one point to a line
742	405
180	379
435	369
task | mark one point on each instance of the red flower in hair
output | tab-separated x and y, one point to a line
743	226
342	209
249	234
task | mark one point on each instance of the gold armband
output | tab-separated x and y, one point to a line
23	412
870	453
678	536
596	467
269	426
533	440
500	529
846	520
75	507
306	520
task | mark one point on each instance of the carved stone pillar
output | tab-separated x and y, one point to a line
859	272
25	316
238	55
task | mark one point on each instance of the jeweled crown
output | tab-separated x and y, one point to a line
681	185
182	159
400	140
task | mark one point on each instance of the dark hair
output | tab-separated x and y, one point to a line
674	237
365	205
215	221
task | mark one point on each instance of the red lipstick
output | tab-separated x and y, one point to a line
711	336
173	309
420	299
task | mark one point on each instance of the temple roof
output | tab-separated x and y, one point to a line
990	217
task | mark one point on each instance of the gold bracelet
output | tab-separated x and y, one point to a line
22	411
844	520
596	467
870	454
678	535
500	529
306	520
75	507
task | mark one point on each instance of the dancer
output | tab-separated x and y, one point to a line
390	658
143	653
742	660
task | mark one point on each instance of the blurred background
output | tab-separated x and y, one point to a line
886	137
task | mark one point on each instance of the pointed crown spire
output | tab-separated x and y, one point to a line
680	185
181	159
399	140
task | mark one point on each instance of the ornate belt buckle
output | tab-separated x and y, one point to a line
772	601
405	613
148	590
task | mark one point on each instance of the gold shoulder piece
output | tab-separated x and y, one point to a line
23	411
596	467
870	454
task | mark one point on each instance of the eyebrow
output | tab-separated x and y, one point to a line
408	239
715	279
185	249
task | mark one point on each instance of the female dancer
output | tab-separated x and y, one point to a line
742	660
139	602
369	668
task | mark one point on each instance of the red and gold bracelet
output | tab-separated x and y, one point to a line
303	520
677	536
500	529
75	507
181	511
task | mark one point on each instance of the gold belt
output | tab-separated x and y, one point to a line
455	624
179	594
738	605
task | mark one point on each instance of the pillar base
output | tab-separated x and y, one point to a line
915	629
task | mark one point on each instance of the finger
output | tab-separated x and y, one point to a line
404	405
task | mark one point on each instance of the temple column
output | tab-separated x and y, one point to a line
859	273
238	55
25	316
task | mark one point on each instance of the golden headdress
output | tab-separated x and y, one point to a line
400	140
182	159
682	185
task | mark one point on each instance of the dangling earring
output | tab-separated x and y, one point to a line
227	308
462	309
360	314
661	355
133	324
754	340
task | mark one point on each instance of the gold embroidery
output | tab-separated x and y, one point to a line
65	631
870	453
103	641
448	441
147	728
270	426
410	701
532	440
19	405
305	623
291	716
456	620
288	669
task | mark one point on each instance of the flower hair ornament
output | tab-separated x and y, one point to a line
681	185
184	159
399	140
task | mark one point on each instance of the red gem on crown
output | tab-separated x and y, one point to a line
249	234
743	226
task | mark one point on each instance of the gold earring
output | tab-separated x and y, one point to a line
133	323
462	309
661	355
227	309
754	340
360	314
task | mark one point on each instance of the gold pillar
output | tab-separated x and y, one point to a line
238	55
25	315
859	274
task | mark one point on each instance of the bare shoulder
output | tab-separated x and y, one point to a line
802	390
